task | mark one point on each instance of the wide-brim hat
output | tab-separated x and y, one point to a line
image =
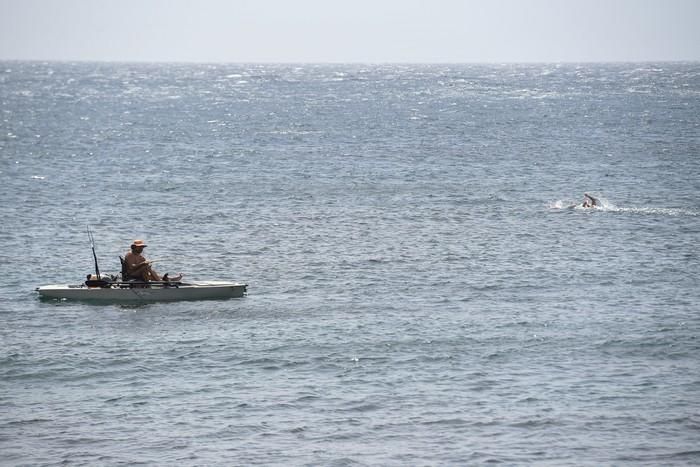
138	243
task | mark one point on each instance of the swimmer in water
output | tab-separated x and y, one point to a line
589	201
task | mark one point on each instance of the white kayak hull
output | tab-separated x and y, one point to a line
205	290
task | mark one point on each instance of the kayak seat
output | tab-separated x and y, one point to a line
123	263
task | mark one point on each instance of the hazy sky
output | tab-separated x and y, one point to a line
350	30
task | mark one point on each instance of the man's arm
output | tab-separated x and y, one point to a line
593	200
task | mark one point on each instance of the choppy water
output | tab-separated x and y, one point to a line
421	291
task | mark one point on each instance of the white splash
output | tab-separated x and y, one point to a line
607	206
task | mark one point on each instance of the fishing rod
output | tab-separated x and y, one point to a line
94	255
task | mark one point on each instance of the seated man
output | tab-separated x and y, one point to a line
137	267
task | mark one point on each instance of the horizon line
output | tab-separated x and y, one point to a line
351	62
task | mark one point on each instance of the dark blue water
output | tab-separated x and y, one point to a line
421	290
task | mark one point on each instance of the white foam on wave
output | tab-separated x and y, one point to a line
558	204
658	211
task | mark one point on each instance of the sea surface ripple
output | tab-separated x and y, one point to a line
423	289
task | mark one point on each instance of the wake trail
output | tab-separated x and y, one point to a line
607	206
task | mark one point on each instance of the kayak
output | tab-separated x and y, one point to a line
114	288
136	291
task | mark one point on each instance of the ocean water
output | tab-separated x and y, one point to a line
423	289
